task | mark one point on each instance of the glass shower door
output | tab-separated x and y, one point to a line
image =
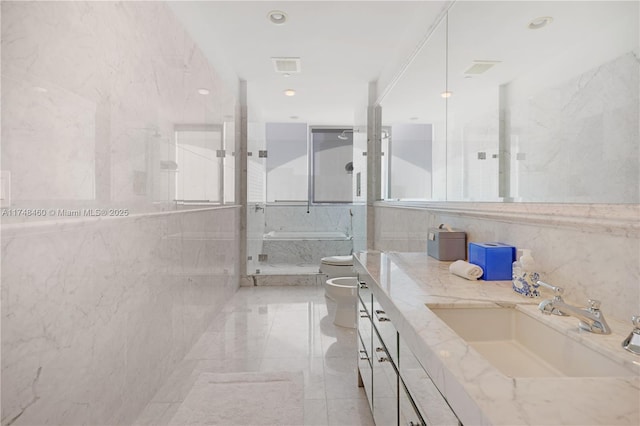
256	193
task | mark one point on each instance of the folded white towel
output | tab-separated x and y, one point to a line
466	270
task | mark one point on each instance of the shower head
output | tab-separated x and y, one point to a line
343	136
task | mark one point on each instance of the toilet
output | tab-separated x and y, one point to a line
344	292
337	266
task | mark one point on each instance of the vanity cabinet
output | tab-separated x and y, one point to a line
376	371
385	385
390	373
364	337
434	408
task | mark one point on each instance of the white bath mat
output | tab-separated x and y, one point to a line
271	398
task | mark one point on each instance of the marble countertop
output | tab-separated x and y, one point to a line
477	391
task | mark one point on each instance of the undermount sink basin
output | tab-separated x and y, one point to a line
521	346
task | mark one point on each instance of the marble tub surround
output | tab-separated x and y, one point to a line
320	218
308	252
288	275
97	313
477	392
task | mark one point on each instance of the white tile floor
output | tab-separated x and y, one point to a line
275	329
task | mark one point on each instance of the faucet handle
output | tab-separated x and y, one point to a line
632	342
556	290
594	305
635	320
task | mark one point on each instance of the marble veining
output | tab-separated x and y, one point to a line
596	111
589	250
90	332
479	394
96	311
243	398
346	220
301	251
274	330
91	94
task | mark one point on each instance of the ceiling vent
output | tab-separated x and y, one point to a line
480	67
286	65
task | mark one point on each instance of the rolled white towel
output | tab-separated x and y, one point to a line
466	270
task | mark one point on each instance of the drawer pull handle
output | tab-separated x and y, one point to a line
379	349
363	356
380	318
363	285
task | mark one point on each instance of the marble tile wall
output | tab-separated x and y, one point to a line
92	92
589	263
97	313
578	138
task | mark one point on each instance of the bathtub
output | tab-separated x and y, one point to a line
304	247
306	236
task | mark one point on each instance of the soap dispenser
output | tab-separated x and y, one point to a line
525	275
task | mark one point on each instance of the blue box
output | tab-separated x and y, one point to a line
495	259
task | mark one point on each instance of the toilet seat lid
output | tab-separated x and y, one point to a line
338	260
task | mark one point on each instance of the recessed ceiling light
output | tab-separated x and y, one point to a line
203	91
413	118
446	94
289	92
540	22
294	117
277	17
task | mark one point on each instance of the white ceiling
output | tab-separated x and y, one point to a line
343	46
583	35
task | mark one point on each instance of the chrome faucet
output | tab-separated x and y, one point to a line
632	343
591	318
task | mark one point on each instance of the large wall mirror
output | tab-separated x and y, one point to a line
525	101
